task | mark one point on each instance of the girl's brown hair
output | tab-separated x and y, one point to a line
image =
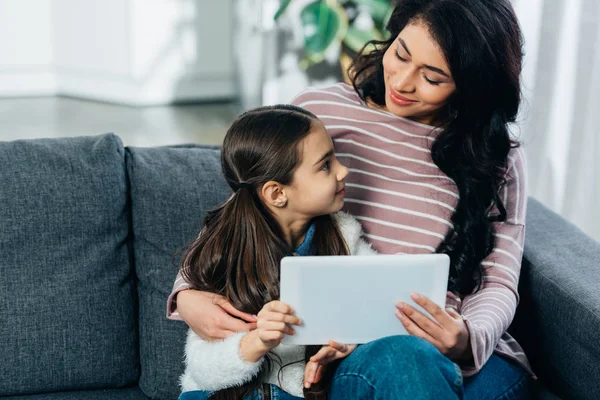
238	252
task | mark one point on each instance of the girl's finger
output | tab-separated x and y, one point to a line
322	354
309	373
342	348
318	374
271	325
279	317
279	307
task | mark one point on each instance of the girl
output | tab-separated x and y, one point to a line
424	129
288	188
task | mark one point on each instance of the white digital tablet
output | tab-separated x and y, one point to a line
351	299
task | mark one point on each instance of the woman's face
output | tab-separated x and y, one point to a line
418	82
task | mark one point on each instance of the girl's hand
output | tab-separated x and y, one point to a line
211	316
448	332
328	353
274	322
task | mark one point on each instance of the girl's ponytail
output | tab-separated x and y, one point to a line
239	250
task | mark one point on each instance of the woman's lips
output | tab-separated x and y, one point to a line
400	100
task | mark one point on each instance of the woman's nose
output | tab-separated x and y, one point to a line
403	81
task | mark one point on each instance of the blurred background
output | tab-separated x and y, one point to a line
160	72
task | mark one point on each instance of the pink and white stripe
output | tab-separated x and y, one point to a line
405	204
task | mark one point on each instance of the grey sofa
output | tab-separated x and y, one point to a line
88	233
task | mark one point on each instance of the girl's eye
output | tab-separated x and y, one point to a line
434	83
325	166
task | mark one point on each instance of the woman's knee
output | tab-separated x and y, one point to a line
403	359
395	348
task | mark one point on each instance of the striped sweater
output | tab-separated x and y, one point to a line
405	204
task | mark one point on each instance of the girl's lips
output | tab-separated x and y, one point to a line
341	192
398	99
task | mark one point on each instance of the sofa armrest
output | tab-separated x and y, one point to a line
558	319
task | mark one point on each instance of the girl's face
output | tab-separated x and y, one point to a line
317	187
418	82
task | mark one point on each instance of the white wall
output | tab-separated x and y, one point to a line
138	52
26	47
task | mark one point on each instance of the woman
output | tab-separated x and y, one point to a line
425	126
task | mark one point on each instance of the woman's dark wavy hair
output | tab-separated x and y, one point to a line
238	251
482	44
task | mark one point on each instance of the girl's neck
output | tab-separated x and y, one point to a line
293	230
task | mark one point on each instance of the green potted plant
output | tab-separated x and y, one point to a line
347	24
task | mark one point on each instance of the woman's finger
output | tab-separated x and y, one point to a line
231	310
426	324
414	329
453	313
437	312
224	321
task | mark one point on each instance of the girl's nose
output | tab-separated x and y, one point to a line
343	172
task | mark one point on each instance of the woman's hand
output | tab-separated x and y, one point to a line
211	316
328	353
448	331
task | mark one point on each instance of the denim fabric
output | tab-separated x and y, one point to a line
305	248
499	379
67	299
275	392
171	190
396	367
133	393
558	318
405	367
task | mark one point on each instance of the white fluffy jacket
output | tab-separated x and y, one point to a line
213	366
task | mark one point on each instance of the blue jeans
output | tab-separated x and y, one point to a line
406	367
275	391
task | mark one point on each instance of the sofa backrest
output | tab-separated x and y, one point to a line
171	190
67	298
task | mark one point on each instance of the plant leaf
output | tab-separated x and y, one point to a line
282	8
356	39
322	26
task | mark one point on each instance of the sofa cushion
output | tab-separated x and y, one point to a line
133	393
67	318
558	318
171	190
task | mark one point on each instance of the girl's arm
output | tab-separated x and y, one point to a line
210	316
237	359
216	365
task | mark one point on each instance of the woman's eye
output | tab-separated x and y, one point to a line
434	83
325	166
400	58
